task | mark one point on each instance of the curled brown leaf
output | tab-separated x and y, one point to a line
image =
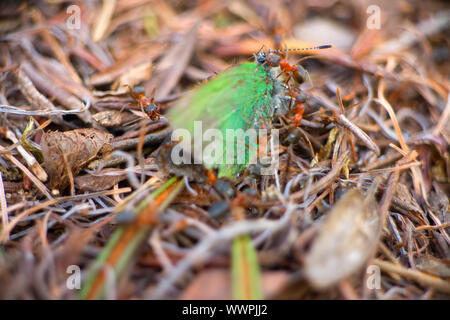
72	150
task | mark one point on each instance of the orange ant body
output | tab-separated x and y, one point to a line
298	111
147	105
277	58
297	72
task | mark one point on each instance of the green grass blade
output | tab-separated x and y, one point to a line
245	270
131	247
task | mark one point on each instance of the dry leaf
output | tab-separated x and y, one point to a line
346	240
113	118
78	147
134	75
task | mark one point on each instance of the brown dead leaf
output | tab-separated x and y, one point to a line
405	203
79	147
346	240
134	75
113	118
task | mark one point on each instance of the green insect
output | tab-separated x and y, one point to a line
244	96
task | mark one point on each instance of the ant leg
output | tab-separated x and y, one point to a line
262	47
141	106
132	92
279	74
287	81
127	105
152	95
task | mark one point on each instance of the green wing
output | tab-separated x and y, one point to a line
238	98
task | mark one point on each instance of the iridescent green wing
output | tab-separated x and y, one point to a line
238	98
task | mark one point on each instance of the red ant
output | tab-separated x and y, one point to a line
276	58
297	110
298	113
147	105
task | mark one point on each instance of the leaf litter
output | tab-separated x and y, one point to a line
363	180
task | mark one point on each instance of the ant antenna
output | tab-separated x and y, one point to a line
262	47
326	46
254	55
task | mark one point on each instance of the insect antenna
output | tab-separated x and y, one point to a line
326	46
255	54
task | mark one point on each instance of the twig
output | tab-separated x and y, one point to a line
67	99
416	173
29	158
151	138
56	48
3	206
29	174
427	27
361	135
388	194
44	113
33	96
417	276
443	119
428	227
52	201
204	249
325	181
103	20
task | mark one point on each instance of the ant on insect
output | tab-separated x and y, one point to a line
277	58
